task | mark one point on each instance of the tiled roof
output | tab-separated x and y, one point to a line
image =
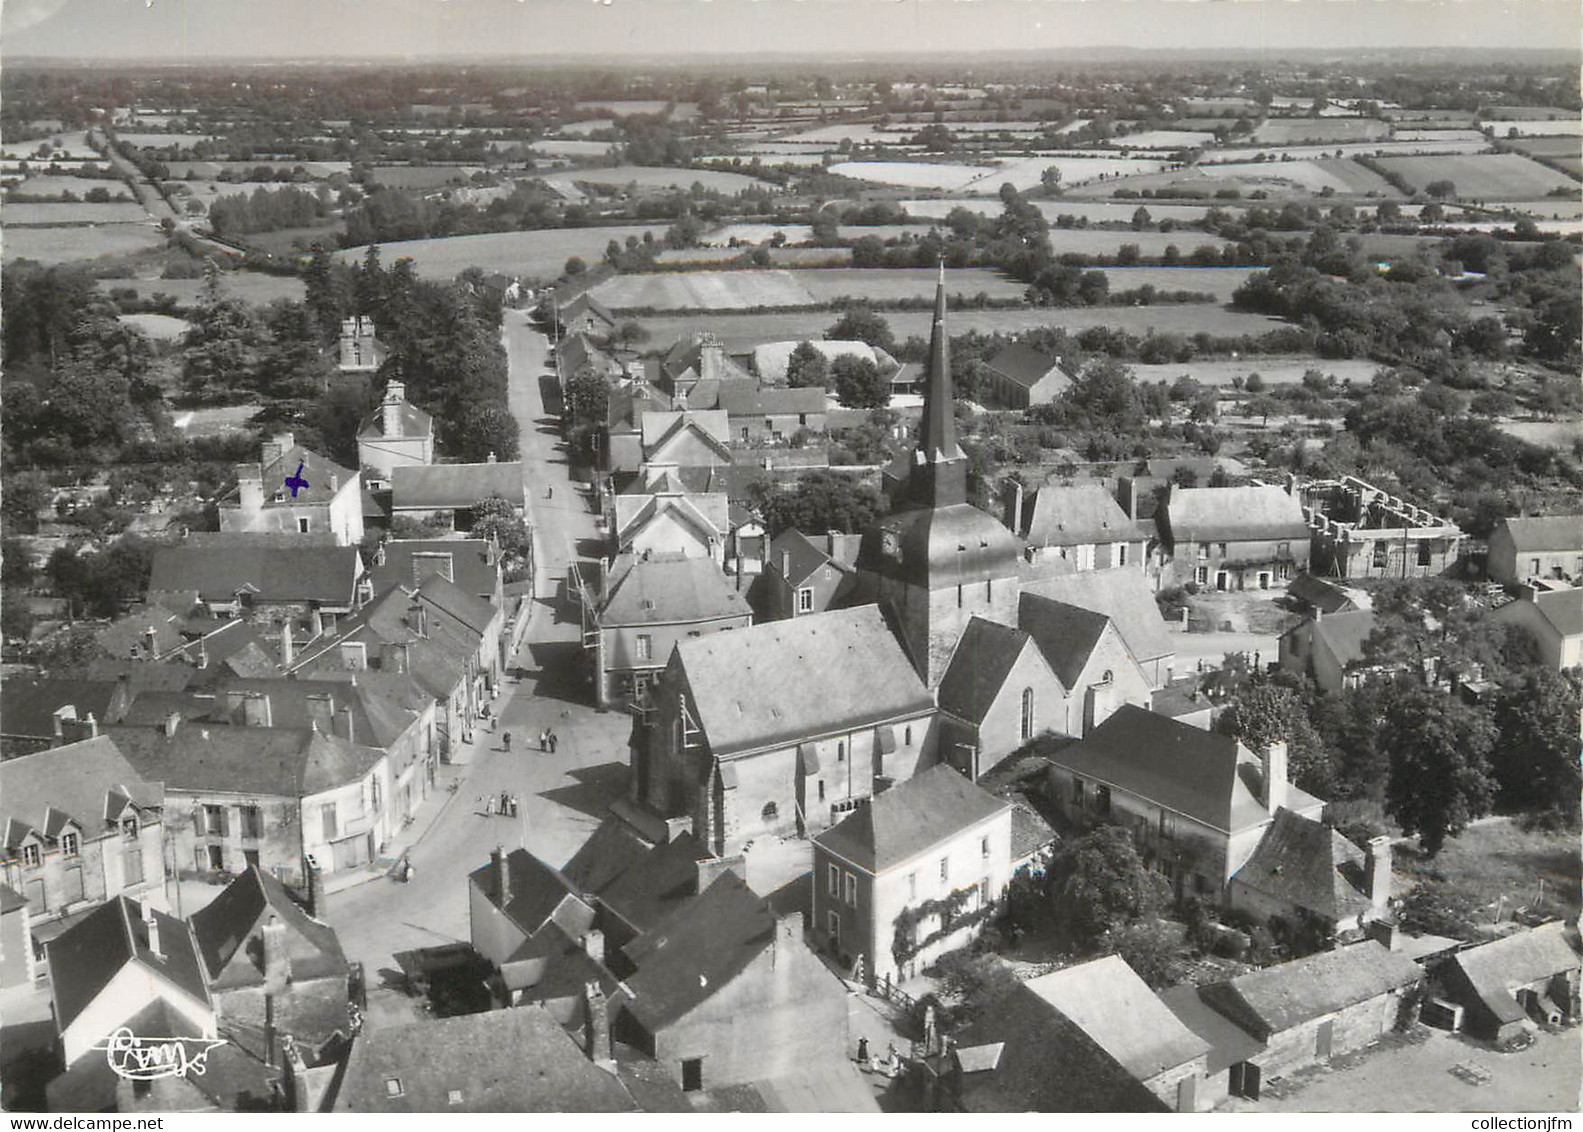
1230	514
744	399
668	589
326	574
1322	595
1544	532
650	888
1278	998
1029	832
273	761
517	1060
910	818
1302	863
77	781
808	663
537	889
1079	515
1024	365
1066	634
470	564
1122	594
1521	959
697	951
452	487
28	703
87	956
1112	1005
983	658
1207	777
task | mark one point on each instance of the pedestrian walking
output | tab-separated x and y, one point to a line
489	805
549	492
544	739
504	799
513	805
554	742
508	741
862	1049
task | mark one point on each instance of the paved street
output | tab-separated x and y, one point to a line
562	796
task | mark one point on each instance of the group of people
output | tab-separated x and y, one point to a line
548	740
507	804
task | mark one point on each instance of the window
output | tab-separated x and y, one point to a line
805	600
453	1096
31	856
1535	569
214	821
1425	554
692	1074
1027	714
912	886
906	736
1221	549
280	497
1203	550
802	419
945	868
959	595
374	795
989	589
1077	792
1284	549
1121	554
983	892
1381	556
851	889
393	1087
645	647
1102	801
69	846
129	828
835	881
833	927
132	866
302	526
327	820
1201	576
840	751
821	790
983	847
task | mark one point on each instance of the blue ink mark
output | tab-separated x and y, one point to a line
296	481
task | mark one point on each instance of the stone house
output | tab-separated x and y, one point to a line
998	693
398	434
299	585
514	898
911	874
1537	546
359	349
636	886
1553	620
294	490
769	731
770	415
473	564
1125	596
804	575
1089	656
1306	872
1197	803
1018	376
584	314
693	369
1235	538
621	449
650	604
724	993
1081	527
426	491
40	712
667	510
81	825
1331	648
1509	984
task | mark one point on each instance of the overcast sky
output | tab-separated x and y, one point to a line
189	29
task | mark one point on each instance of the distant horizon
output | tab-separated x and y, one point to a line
726	31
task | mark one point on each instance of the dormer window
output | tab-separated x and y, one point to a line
31	856
280	497
69	845
453	1096
393	1087
129	827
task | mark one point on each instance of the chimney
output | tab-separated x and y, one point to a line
321	711
62	714
598	1027
151	925
277	963
710	869
151	642
491	459
172	722
390	410
1377	869
502	872
276	447
1013	507
316	621
594	945
786	564
379	555
343	724
296	1075
287	648
250	486
1319	614
315	881
1272	760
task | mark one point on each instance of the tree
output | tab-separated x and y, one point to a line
496	518
806	367
859	323
1141	219
1536	762
1440	775
587	397
859	384
1255	383
575	266
820	501
325	293
1099	884
1264	713
1441	189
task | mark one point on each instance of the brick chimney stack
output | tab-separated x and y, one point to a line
598	1045
314	877
151	925
1272	761
250	487
502	871
277	963
1377	868
390	409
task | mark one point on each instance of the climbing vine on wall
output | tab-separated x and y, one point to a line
906	943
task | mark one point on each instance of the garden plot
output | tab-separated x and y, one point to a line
1489	176
70	214
1297	131
80	244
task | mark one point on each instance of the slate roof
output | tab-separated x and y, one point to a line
515	1060
1306	864
1183	768
470	565
1274	999
28	703
86	956
272	761
668	590
326	574
1320	594
1077	516
910	818
414	423
118	638
474	612
88	782
1346	635
1231	514
586	303
613	849
646	891
1116	1008
326	479
1228	1043
835	1087
253	898
697	950
1496	968
744	399
537	889
1066	634
451	487
1025	366
709	426
688	353
1544	532
809	663
1563	609
11	899
1121	593
1046	1063
806	556
980	664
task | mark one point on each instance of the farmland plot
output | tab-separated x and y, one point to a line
64	145
539	253
1161	139
1151	245
705	290
54	186
71	214
1026	173
80	244
1489	176
1271	370
589	126
654	177
1096	212
162	141
1568	127
1217	281
568	147
914	174
1292	131
1430	135
423	176
247	286
757	234
1350	149
1335	173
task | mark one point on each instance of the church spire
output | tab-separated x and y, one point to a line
939	471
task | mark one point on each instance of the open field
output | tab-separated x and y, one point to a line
248	286
1217	281
779	257
423	176
81	244
1550	434
756	234
1296	131
162	141
913	174
160	327
1527	114
1349	149
288	241
1151	245
1161	139
588	126
211	170
741	331
735	290
622	108
1024	174
74	213
654	177
67	145
1274	371
1339	174
1559	208
1490	176
1098	212
54	186
1566	152
539	253
568	147
215	421
1433	135
1562	127
1496	862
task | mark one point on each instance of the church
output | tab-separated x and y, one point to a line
782	728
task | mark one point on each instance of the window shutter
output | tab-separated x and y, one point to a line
197	821
225	821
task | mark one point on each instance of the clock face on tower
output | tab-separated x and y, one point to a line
890	544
